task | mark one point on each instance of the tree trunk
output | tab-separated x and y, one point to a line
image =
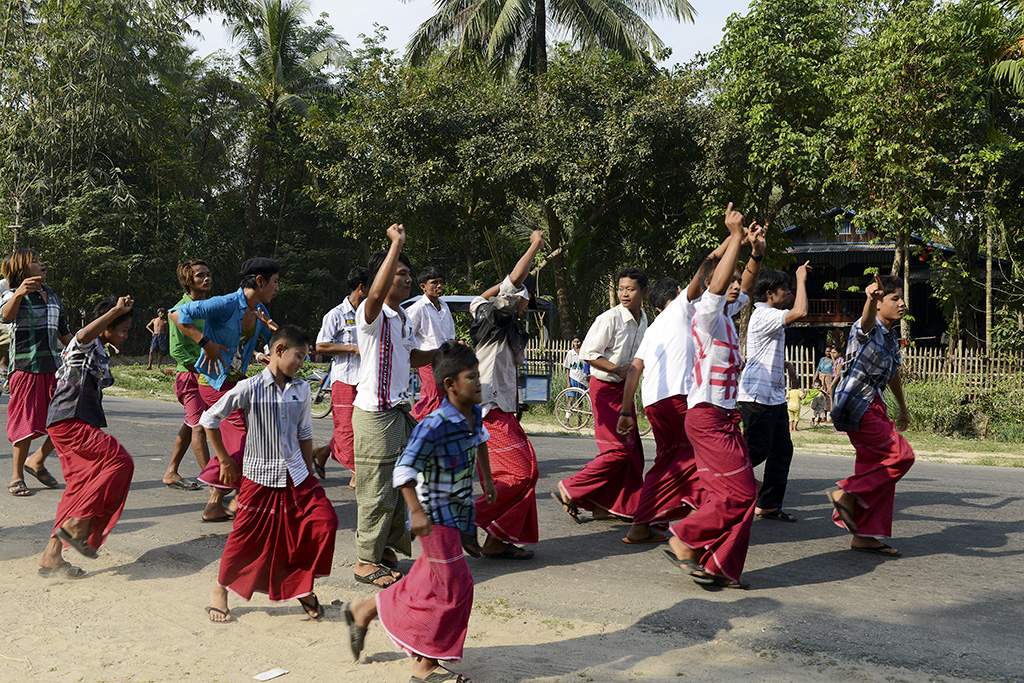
989	218
540	37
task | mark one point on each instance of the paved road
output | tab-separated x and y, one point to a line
951	608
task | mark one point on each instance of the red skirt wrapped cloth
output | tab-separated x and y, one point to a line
671	487
512	517
232	431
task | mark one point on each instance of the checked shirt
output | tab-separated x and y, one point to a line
872	360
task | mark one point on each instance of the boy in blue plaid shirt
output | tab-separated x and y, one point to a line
427	612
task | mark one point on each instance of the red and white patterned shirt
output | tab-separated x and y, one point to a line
716	348
384	367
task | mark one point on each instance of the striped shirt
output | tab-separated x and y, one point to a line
872	360
384	367
339	327
764	374
277	421
80	384
440	457
36	330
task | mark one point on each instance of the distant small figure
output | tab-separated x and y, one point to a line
794	398
160	343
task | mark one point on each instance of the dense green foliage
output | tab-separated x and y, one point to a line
122	153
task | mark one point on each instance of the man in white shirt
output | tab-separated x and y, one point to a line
381	419
432	325
338	341
711	543
500	348
609	485
762	395
577	370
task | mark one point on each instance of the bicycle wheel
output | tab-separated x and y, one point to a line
642	423
572	408
321	398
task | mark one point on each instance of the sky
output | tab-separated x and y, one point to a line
350	18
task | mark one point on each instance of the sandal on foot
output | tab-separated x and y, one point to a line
79	544
777	514
321	472
19	489
694	570
64	570
471	545
356	633
511	552
723	582
652	537
229	517
184	485
371	579
883	550
441	675
44	477
570	508
845	513
222	612
313	610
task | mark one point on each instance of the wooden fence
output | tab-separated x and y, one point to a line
972	370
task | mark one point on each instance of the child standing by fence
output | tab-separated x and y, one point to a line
427	613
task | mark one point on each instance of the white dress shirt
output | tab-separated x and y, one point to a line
384	348
764	374
277	420
431	326
339	327
667	353
614	336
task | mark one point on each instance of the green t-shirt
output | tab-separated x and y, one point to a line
184	350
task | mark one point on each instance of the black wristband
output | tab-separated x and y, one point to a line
757	259
626	413
202	342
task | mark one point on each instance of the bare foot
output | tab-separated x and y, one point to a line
171	478
233	505
215	512
218	609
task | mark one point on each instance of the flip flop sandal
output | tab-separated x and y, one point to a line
64	570
511	552
471	545
18	489
723	582
570	508
321	473
78	544
441	675
184	485
692	569
356	633
44	477
779	515
316	607
883	550
652	537
845	514
222	612
370	579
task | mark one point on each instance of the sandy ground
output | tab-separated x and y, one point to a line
588	609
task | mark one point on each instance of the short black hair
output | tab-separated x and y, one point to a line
291	336
770	279
104	306
707	269
451	359
662	292
890	284
251	281
428	273
377	260
634	273
358	276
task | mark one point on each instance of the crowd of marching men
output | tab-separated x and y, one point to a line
714	418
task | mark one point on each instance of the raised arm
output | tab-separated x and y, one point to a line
96	327
385	275
754	236
696	285
799	310
522	267
726	267
875	294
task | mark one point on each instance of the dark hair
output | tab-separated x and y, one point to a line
15	266
450	359
662	292
428	273
634	273
707	268
186	278
769	280
161	310
291	336
104	306
890	284
358	276
377	260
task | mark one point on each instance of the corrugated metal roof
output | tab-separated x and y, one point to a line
841	247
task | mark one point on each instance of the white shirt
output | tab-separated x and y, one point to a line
384	348
764	375
576	366
717	361
667	353
430	327
278	420
614	336
499	362
339	327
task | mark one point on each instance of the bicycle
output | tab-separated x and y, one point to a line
574	411
320	392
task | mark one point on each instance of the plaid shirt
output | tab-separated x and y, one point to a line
440	456
872	360
80	384
37	329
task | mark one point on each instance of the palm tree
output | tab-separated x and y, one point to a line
512	35
282	62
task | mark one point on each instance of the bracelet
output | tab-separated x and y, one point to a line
757	259
626	413
203	341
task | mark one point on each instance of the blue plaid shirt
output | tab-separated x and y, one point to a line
440	456
872	360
